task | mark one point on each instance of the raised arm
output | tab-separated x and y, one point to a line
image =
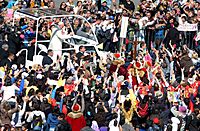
82	103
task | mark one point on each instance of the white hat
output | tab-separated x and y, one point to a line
24	74
191	80
121	78
14	67
39	76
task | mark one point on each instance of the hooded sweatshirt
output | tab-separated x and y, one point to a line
52	120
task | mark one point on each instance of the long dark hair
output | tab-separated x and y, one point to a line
127	105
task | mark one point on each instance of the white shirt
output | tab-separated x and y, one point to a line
37	113
9	91
21	113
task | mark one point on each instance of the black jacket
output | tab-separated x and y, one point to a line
47	61
63	126
173	35
6	62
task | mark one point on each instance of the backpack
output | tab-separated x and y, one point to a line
37	123
143	111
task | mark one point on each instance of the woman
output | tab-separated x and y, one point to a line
52	5
63	6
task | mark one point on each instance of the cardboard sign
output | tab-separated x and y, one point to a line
188	27
124	26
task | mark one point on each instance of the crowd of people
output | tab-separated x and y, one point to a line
151	82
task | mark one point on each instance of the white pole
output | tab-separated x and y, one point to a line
36	42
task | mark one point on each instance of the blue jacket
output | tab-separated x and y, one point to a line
52	120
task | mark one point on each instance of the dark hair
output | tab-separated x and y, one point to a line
31	92
80	47
61	115
36	106
100	108
127	105
88	123
1	20
169	127
61	5
50	50
114	116
55	110
38	91
115	122
176	24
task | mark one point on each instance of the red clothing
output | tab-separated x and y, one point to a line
76	120
69	88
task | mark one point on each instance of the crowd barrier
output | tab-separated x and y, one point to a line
150	36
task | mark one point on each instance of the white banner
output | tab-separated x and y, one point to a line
124	26
188	27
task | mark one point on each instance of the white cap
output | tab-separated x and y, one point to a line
39	76
14	67
121	78
191	80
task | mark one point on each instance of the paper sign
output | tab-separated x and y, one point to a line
9	13
173	96
124	26
188	27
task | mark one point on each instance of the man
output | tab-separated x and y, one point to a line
8	61
63	125
17	116
172	37
57	38
44	36
88	17
76	25
128	5
81	54
85	31
104	6
47	60
4	52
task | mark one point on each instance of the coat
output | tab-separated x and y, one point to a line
5	116
76	120
56	42
52	120
186	62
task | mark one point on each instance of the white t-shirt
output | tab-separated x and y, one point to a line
37	113
112	127
9	91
